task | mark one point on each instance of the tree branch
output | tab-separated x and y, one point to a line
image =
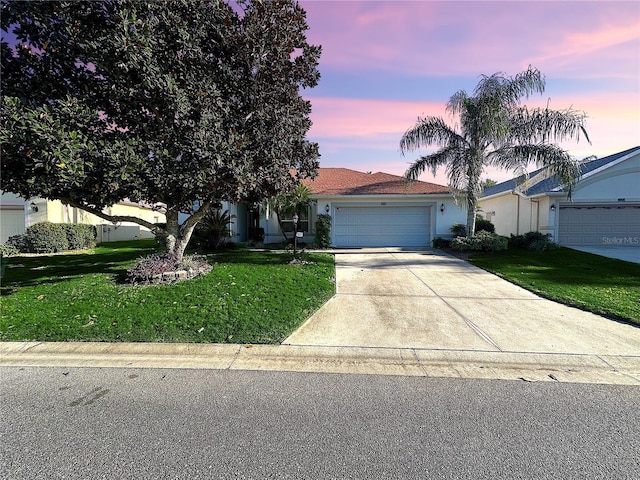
111	218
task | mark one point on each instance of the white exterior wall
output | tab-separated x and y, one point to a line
513	214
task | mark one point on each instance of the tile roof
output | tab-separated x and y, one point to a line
343	181
546	184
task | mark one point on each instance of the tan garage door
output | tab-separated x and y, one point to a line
11	222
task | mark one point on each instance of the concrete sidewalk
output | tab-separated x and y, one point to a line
530	367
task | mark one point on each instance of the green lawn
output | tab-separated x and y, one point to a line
597	284
249	297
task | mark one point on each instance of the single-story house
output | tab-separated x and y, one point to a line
367	210
17	214
604	208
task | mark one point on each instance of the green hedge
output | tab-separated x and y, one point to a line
80	236
46	237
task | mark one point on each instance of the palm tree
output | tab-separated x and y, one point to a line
289	203
495	129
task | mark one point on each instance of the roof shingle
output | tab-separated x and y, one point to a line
343	181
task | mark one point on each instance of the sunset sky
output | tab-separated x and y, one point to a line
384	63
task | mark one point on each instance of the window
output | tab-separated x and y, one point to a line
303	222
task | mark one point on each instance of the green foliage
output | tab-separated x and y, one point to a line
483	225
80	236
480	242
495	130
323	231
288	203
46	237
8	251
163	102
148	267
441	243
459	230
536	241
19	242
213	230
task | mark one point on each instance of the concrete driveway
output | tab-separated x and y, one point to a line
427	300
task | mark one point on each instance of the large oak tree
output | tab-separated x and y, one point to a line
167	103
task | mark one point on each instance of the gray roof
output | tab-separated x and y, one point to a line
550	183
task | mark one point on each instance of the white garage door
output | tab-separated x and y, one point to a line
11	222
598	225
382	226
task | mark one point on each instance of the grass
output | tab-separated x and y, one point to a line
249	297
597	284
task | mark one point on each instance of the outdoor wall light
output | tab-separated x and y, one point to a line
34	207
442	208
327	208
553	207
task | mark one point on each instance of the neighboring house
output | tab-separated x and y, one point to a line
367	210
17	214
604	208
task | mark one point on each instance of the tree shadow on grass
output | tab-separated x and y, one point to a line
47	269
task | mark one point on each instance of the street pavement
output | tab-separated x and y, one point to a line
410	313
127	423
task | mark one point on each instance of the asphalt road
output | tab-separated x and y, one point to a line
93	423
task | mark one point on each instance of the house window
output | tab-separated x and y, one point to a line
303	222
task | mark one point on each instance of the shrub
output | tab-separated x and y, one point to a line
46	237
19	242
480	242
441	243
213	230
8	251
80	236
459	230
483	225
150	269
535	241
323	231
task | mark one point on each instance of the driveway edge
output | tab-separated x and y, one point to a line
523	366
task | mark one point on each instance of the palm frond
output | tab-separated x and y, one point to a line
429	131
555	161
546	125
444	156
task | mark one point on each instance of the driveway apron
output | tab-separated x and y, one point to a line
429	300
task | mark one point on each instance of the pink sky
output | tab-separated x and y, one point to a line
385	63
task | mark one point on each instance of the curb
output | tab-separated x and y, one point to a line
524	366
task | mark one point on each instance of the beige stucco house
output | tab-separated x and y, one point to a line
17	214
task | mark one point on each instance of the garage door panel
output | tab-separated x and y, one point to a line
599	225
382	226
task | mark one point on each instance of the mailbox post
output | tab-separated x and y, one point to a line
295	233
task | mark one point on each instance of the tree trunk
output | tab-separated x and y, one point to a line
175	238
471	216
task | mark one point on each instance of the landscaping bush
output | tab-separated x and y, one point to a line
19	242
459	230
323	231
441	243
483	225
8	251
46	237
536	241
212	231
151	269
80	236
480	242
